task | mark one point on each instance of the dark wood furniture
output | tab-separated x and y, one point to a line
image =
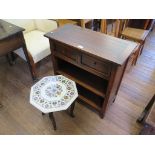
148	118
52	118
11	38
95	61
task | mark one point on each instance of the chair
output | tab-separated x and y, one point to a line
145	24
112	28
62	22
37	45
79	22
136	35
83	22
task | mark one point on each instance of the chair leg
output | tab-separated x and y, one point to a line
137	54
13	57
30	62
134	61
9	59
72	109
142	45
136	58
53	120
34	72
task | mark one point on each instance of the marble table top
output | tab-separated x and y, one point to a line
53	93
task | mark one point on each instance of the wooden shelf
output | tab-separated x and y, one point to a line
88	101
97	68
91	99
93	83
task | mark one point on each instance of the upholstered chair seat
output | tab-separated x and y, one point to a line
37	45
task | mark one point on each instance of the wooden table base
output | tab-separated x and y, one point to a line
72	109
52	118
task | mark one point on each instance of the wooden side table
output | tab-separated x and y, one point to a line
54	93
11	38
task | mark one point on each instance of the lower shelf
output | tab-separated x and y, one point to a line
90	99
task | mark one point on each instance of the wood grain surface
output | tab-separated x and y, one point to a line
19	117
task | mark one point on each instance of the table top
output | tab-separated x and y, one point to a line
94	43
8	29
53	93
151	117
137	34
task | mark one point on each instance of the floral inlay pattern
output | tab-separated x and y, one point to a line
53	93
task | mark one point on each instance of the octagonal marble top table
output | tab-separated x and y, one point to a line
53	93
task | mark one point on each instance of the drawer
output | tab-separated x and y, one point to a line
102	67
61	50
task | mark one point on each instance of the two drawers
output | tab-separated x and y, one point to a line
87	62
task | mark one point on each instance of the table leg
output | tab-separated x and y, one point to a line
28	61
53	120
146	110
72	109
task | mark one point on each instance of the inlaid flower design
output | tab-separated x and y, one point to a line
53	93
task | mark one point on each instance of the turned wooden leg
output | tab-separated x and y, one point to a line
72	109
53	120
34	72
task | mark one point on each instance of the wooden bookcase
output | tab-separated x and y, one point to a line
98	78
